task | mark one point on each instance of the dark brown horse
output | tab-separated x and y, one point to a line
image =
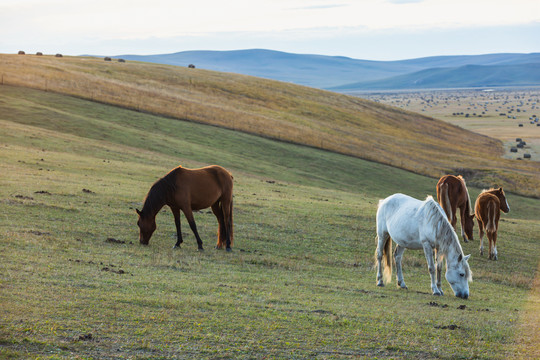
452	194
487	210
188	190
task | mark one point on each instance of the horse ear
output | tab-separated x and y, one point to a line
138	212
466	258
460	257
500	189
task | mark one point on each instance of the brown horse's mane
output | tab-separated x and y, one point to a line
489	190
158	194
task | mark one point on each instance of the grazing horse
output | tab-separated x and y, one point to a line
452	194
415	224
487	209
188	190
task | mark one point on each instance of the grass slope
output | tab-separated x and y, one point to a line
287	112
299	283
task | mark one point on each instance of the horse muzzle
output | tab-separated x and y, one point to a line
464	295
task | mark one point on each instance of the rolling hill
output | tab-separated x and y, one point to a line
282	111
456	77
337	72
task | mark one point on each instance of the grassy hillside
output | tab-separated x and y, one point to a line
456	77
291	113
299	283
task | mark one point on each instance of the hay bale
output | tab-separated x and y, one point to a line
121	60
21	52
526	156
191	66
58	55
39	53
513	149
107	58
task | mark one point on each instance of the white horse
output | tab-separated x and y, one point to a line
415	224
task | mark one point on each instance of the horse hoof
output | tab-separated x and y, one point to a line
229	250
200	249
176	247
380	283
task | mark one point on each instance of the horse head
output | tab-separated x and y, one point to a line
458	275
468	226
502	199
147	225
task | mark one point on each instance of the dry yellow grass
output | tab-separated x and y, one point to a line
292	113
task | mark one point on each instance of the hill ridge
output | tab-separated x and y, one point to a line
282	111
326	72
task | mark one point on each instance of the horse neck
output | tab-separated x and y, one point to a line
155	199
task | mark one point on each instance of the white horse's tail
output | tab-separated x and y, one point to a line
386	261
491	213
445	202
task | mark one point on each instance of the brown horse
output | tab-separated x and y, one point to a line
188	190
487	210
452	193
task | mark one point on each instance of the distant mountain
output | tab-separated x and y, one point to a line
341	73
455	77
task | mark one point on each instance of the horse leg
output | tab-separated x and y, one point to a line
494	238
462	221
428	251
398	255
191	221
382	238
226	210
439	268
481	228
176	213
216	209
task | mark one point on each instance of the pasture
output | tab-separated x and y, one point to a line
298	284
496	113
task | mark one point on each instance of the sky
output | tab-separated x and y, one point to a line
360	29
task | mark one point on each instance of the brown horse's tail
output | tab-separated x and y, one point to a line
231	225
445	201
225	226
491	213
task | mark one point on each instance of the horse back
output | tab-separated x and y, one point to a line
201	188
457	193
486	209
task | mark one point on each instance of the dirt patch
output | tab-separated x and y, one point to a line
116	241
24	197
87	191
104	267
447	327
38	233
434	304
45	192
86	337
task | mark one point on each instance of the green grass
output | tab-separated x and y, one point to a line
291	113
299	283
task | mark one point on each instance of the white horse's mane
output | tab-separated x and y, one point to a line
447	237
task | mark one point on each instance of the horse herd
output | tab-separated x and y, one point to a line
410	223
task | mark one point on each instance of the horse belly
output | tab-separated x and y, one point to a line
405	234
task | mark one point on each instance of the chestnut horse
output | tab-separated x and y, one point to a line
487	209
452	193
188	190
